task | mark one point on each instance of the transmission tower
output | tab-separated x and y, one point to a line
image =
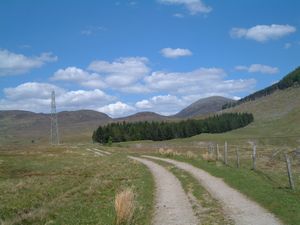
54	138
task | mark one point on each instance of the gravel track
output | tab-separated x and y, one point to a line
172	206
241	209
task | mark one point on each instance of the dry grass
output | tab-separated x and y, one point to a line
208	157
168	152
190	155
124	206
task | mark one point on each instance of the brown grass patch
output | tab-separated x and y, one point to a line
208	156
124	206
190	155
168	152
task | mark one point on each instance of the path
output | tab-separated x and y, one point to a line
101	151
241	209
96	153
172	206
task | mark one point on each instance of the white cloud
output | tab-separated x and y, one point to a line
175	52
194	6
163	104
201	81
84	78
82	99
122	72
236	98
117	109
34	96
144	104
258	68
31	90
13	63
263	33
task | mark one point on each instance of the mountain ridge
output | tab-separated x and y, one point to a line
204	106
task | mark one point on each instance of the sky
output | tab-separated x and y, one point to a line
122	57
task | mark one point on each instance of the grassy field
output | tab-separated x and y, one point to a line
69	185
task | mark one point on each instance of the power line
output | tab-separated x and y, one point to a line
54	138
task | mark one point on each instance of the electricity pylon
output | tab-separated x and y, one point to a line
54	138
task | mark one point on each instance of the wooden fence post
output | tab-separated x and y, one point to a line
237	158
218	153
289	170
254	157
225	153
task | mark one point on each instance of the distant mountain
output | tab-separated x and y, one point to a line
23	126
144	116
204	106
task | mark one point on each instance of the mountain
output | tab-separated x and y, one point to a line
23	126
204	106
143	116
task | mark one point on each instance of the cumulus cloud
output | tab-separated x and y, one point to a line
117	109
175	52
193	6
84	78
163	104
32	90
263	33
121	72
144	104
35	96
209	81
258	68
12	63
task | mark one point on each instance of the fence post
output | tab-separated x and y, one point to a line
218	153
237	158
254	157
225	153
289	170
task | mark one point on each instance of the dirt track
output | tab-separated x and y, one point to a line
241	209
172	206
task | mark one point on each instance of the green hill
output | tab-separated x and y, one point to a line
276	113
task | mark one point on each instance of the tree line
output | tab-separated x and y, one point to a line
289	80
158	131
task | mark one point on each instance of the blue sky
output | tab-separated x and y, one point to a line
122	57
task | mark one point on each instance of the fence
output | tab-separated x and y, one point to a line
281	165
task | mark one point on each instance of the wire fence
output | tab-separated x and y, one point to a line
280	165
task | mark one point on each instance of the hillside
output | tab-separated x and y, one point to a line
276	121
204	106
276	110
23	126
290	80
143	116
